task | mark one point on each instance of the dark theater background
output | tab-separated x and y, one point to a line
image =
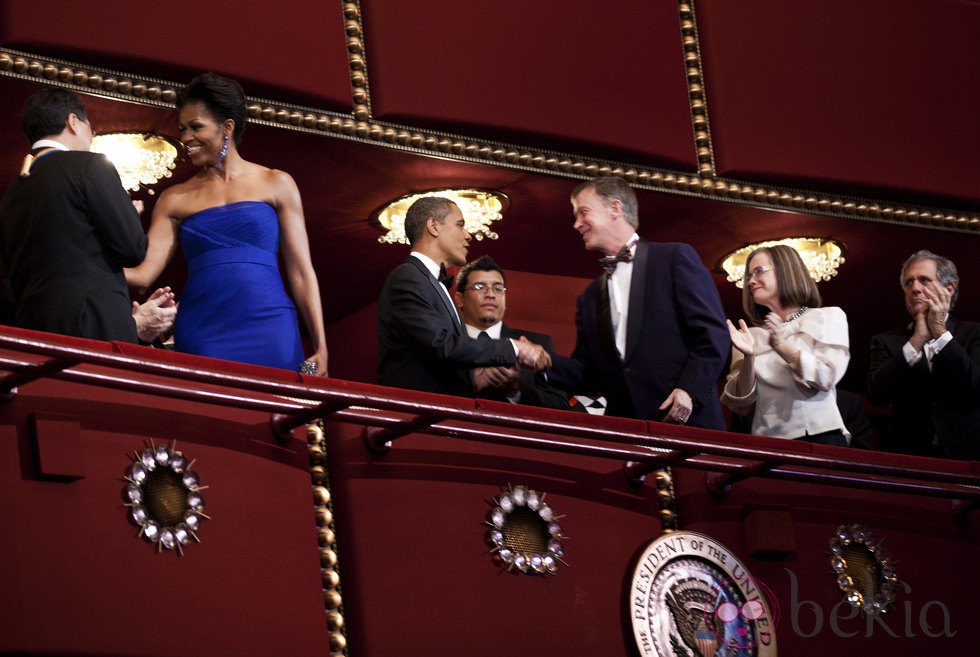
736	122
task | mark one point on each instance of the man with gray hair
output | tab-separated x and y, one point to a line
929	370
651	331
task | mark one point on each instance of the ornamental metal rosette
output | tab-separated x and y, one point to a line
865	572
525	535
164	497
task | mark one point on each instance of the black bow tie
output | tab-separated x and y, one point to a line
445	278
609	263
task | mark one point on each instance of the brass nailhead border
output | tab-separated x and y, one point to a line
356	60
333	601
666	500
405	138
695	89
67	74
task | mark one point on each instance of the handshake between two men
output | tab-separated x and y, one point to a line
530	356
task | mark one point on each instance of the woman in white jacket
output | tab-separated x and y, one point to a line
785	368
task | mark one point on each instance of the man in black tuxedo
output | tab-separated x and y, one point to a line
651	330
67	228
929	370
421	341
481	296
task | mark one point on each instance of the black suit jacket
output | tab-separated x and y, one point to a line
942	403
421	343
535	389
66	232
676	337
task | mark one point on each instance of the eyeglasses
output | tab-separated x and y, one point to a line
496	288
758	271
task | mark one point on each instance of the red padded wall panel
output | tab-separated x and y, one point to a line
868	95
297	50
77	579
606	77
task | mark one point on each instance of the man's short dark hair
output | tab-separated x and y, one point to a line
421	210
46	113
610	188
945	271
483	263
222	97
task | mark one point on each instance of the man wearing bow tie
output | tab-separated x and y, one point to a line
651	330
422	344
69	228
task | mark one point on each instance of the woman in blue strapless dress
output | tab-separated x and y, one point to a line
233	217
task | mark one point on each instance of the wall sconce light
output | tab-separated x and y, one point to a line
141	158
821	256
480	208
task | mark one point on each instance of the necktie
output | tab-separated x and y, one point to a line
483	336
444	277
609	263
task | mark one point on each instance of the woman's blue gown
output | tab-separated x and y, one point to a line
234	305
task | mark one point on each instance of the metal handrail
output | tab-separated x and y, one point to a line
394	413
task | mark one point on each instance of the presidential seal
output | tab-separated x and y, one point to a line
691	597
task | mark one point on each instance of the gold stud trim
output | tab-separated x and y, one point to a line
357	61
696	89
56	72
451	146
333	601
666	500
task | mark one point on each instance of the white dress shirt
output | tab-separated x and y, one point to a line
49	143
619	297
792	401
493	331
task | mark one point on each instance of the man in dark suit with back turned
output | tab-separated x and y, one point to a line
421	341
929	370
651	330
481	296
67	228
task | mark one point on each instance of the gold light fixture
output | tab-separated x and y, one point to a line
480	208
821	256
141	158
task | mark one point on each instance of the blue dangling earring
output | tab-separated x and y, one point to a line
222	154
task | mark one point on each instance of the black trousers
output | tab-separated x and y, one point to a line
835	438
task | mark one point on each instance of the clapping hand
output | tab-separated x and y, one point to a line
741	337
772	324
532	356
937	308
156	315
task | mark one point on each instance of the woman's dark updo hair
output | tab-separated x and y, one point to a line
222	97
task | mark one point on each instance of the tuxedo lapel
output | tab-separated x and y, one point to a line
638	286
604	320
440	291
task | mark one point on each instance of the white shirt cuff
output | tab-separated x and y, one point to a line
941	341
911	355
